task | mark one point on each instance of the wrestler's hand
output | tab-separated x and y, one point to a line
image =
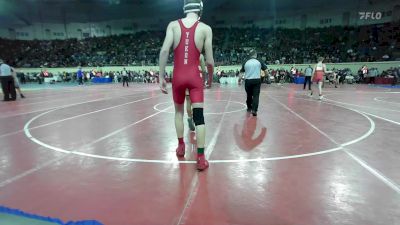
163	86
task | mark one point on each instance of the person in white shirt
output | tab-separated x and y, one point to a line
7	82
115	77
252	72
125	78
318	75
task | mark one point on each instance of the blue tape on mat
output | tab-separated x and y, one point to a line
17	212
385	86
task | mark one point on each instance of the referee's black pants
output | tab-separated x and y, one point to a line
307	79
125	80
7	85
252	87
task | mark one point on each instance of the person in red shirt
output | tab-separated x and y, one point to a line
188	37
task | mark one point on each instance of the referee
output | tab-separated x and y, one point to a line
252	75
125	78
7	82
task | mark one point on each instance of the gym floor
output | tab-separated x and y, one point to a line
107	153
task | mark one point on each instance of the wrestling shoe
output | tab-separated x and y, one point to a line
180	150
202	163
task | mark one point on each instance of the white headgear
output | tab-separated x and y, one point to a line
193	6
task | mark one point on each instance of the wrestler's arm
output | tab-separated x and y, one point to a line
209	54
202	64
164	53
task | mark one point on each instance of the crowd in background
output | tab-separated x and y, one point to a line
275	46
280	75
142	76
336	44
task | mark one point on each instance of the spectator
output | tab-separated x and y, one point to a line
79	76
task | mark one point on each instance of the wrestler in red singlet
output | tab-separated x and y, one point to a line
186	67
319	73
189	37
318	76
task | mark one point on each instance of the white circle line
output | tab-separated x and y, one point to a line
29	135
68	105
155	107
362	106
378	99
365	113
368	133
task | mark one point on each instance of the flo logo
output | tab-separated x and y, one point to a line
370	15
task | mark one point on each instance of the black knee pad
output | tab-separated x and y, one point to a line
198	116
